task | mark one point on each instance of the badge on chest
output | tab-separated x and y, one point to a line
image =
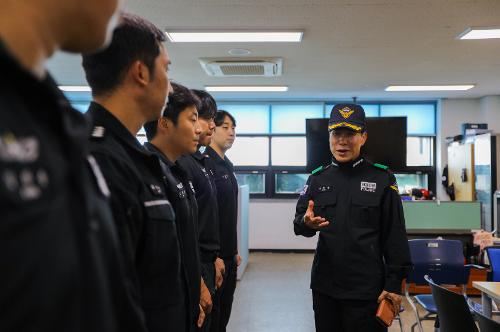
370	187
180	190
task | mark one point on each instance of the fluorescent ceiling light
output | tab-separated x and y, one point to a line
234	88
235	37
429	87
75	88
480	33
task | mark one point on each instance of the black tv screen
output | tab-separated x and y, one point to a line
386	142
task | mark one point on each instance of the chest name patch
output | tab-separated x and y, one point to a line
368	187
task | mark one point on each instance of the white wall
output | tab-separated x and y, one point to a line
451	114
490	111
271	225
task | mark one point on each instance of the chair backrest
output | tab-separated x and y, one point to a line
486	324
494	258
442	260
453	311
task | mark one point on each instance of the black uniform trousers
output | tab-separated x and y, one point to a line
223	300
336	315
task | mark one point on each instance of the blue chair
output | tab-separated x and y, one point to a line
493	253
441	260
453	311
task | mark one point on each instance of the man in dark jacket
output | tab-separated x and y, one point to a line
227	200
174	134
60	265
206	197
362	254
129	86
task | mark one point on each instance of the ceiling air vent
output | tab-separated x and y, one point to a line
242	67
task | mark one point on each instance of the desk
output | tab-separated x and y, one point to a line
489	291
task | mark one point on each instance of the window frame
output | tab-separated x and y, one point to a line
271	171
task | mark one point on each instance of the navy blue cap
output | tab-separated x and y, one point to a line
350	116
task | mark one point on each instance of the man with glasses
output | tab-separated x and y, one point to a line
362	254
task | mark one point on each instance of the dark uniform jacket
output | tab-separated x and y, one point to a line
144	218
60	269
227	197
364	249
206	198
180	192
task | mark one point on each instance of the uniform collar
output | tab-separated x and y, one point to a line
153	148
105	122
199	156
56	110
215	156
351	164
171	165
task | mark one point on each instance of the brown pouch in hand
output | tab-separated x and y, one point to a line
385	314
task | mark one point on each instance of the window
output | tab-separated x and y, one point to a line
79	100
419	151
288	151
290	183
250	119
271	142
407	182
250	151
291	119
81	106
421	117
270	152
255	181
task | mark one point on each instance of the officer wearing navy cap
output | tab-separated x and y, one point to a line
362	254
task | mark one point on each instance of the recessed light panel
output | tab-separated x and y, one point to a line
398	88
235	88
234	37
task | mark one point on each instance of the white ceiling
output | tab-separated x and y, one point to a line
350	48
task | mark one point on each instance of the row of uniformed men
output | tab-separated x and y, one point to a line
104	234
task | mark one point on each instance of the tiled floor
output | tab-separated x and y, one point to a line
274	296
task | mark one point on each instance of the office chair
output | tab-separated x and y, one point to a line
485	324
443	261
493	253
453	311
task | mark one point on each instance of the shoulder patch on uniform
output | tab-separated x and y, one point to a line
394	187
98	132
317	170
304	190
385	168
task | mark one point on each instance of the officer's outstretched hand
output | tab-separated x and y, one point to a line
314	222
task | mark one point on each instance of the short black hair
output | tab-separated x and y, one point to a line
221	115
178	101
134	39
208	106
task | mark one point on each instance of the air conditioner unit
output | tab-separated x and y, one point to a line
234	67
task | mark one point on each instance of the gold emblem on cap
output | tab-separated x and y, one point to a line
346	112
